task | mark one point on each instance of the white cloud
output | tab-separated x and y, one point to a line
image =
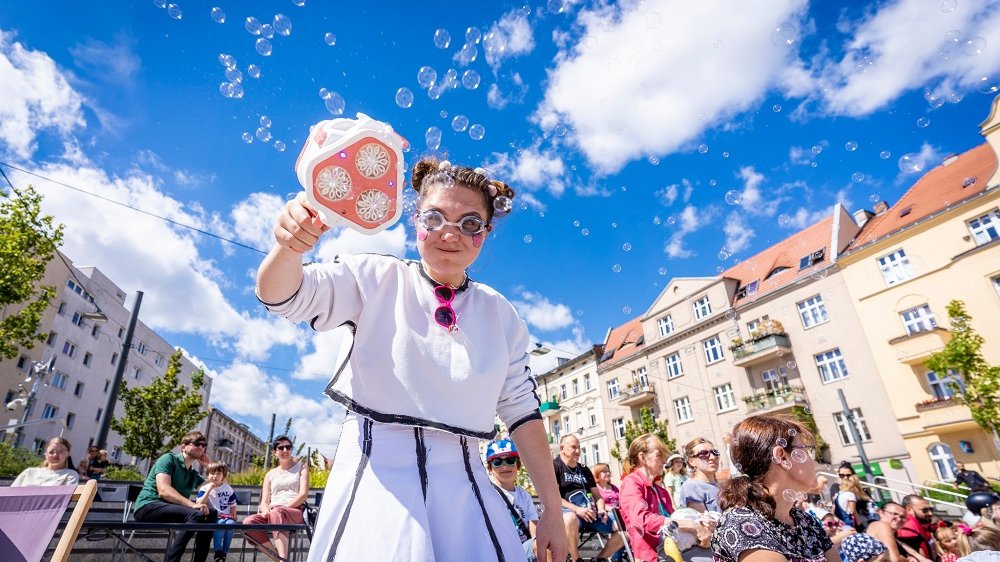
667	195
752	199
254	219
928	156
106	61
329	350
391	242
738	233
259	335
644	95
512	84
541	313
509	37
900	47
799	155
531	168
34	97
566	348
691	220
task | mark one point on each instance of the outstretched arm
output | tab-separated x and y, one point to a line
297	230
533	446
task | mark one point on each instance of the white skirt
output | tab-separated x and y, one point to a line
397	492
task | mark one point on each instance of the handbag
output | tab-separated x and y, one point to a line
310	513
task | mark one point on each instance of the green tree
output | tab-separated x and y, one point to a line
28	240
980	382
158	415
646	424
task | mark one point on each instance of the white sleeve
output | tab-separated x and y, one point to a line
530	511
328	296
518	402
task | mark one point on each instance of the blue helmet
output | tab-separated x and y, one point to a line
503	447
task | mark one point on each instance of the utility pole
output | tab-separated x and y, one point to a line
267	446
853	428
109	406
39	374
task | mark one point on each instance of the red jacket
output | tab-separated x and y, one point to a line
640	507
917	536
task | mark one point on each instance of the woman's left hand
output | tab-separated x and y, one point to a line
552	534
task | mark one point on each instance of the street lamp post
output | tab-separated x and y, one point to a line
109	406
39	374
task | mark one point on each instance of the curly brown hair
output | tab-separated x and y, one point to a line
429	171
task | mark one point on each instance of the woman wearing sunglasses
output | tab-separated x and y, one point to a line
282	499
434	357
700	491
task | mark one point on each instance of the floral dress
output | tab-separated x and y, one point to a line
742	529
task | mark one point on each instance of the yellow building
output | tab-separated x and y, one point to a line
940	242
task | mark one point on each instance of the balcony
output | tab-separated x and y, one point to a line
549	407
914	349
764	348
944	413
636	394
774	400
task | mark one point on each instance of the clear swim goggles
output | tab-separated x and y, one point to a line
469	225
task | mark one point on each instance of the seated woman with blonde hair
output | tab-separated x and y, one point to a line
55	471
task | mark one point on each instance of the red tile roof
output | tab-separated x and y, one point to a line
935	191
622	340
786	253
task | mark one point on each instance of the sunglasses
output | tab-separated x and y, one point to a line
500	461
444	314
200	443
703	455
283	448
846	475
832	524
469	225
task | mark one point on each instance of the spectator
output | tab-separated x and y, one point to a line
892	516
970	541
282	499
646	506
982	505
834	527
970	478
860	547
56	470
916	530
609	492
700	492
845	466
946	542
675	478
221	497
761	522
580	512
98	466
165	497
851	502
84	467
503	463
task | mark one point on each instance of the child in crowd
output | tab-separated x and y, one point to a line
503	463
984	538
609	492
946	542
220	496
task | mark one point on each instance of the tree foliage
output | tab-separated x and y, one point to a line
979	387
646	424
158	415
28	240
14	460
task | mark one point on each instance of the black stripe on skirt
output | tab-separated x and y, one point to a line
366	451
418	436
479	497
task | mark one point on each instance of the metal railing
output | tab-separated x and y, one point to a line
897	495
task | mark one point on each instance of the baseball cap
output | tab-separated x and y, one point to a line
501	447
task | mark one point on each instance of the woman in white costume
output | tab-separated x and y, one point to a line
435	357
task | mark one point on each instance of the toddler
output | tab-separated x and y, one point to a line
221	497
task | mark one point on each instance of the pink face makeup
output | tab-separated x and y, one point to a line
477	240
422	234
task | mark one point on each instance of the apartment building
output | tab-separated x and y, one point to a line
940	242
571	403
86	324
230	441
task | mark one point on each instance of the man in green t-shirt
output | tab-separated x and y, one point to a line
165	497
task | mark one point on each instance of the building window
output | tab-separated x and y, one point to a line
946	386
812	311
39	447
943	461
114	358
51	340
613	389
895	267
640	377
674	366
665	325
996	283
78	391
596	453
702	308
69	348
583	456
859	423
49	411
141	348
619	425
22	363
918	319
77	319
159	360
107	385
95	330
566	424
713	350
593	417
774	379
62	308
725	400
70	420
682	407
98	416
59	380
87	358
576	387
831	365
116	453
121	332
136	373
556	429
562	391
746	290
986	228
587	385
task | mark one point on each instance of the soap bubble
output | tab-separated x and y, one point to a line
263	46
324	93
923	122
987	85
776	108
948	5
792	365
851	146
426	76
473	35
911	163
263	134
556	6
585	231
627	247
460	123
282	25
234	75
627	310
218	15
254	71
228	61
502	205
799	456
703	148
174	11
617	268
733	197
784	219
786	465
470	79
279	145
247	137
467	54
267	31
252	25
265	121
299	3
477	132
528	239
433	138
857	177
973	47
160	3
785	35
792	432
404	98
884	155
671	219
654	160
335	104
442	39
662	271
330	39
781	442
816	149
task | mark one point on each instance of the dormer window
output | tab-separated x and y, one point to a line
776	271
746	290
810	259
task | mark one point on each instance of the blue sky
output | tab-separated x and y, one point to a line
645	140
